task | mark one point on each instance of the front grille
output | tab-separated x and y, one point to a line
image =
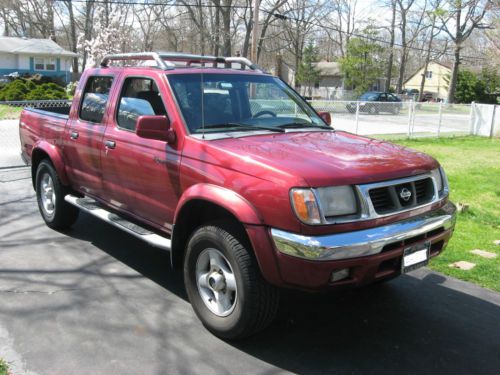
398	197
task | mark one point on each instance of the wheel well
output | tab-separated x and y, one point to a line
37	156
196	213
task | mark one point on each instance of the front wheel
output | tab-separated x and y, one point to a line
224	284
56	212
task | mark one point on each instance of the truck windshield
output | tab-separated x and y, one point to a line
240	102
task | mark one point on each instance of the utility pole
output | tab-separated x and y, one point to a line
255	31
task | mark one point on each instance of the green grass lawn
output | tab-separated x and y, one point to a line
8	112
473	168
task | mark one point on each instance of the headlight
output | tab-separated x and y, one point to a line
437	177
337	200
438	174
334	201
305	206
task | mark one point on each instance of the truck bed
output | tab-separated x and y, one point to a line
47	124
53	109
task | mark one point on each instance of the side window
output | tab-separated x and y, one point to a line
95	98
139	97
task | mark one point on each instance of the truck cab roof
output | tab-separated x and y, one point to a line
173	62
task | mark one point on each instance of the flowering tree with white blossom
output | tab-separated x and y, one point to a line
109	37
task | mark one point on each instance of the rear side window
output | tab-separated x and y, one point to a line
139	97
95	98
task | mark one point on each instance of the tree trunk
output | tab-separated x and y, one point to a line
388	75
217	32
72	29
226	28
426	65
403	57
454	76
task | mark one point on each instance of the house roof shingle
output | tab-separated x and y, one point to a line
328	68
33	46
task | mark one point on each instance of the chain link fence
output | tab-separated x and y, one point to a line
411	119
387	120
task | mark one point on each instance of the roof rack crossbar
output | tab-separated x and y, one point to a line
164	60
136	56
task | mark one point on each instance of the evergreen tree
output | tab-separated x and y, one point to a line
307	74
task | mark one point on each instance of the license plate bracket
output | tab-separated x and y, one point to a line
415	256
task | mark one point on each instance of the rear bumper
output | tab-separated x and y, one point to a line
370	254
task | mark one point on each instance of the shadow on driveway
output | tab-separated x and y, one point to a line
412	324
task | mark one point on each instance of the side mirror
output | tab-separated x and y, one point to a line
155	127
326	116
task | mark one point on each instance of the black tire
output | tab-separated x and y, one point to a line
256	301
63	214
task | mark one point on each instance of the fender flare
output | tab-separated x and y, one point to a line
55	157
231	201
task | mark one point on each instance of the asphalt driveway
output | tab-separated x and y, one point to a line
97	301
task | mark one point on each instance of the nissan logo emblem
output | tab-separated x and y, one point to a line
405	194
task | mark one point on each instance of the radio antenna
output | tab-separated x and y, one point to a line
202	105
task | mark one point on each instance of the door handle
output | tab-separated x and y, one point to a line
110	144
74	135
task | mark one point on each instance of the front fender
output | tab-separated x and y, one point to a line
242	209
42	149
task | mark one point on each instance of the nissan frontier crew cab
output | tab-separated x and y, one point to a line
241	180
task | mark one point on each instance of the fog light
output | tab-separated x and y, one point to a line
339	275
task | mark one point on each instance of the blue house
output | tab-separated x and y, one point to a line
35	56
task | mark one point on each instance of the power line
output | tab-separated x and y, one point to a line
154	3
277	15
373	39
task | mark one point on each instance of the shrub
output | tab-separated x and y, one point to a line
22	89
46	92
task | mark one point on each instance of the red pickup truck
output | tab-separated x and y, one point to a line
240	179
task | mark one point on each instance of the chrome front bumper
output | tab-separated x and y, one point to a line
363	242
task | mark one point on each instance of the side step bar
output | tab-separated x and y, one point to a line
94	208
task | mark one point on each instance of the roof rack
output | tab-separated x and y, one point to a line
164	60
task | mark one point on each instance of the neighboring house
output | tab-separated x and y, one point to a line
436	80
283	70
331	81
331	84
35	56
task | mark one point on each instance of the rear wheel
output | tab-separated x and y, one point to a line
224	284
56	212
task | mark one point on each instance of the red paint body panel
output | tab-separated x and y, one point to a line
251	177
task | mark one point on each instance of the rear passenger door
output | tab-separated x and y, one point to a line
141	176
83	141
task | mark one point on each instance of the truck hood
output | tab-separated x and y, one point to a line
326	158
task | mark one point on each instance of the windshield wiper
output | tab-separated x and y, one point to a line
296	125
246	126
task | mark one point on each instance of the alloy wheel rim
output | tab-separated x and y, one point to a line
48	194
216	282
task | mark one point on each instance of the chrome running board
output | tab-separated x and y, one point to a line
92	207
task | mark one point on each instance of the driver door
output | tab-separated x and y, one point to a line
140	175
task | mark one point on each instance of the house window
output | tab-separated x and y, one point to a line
50	64
39	64
428	74
45	63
